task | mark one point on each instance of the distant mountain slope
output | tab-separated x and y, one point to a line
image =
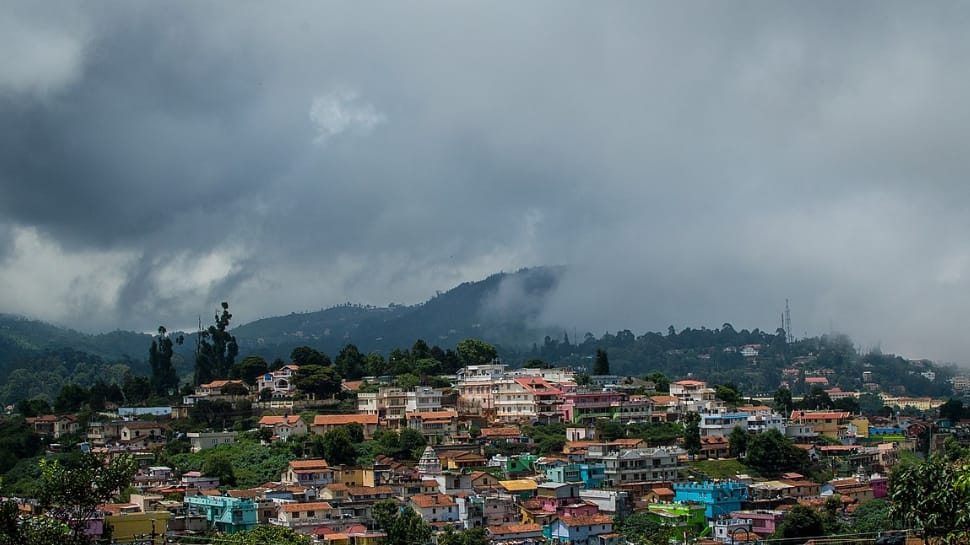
20	335
472	309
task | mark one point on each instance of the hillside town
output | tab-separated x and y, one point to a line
528	456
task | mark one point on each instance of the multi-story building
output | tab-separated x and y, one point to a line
827	423
436	426
53	426
284	427
300	515
625	465
435	507
279	382
224	513
474	385
307	473
719	497
391	405
526	399
209	439
585	406
583	530
322	423
692	395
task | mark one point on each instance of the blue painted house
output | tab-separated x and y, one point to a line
226	514
718	497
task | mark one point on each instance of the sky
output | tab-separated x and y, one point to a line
690	163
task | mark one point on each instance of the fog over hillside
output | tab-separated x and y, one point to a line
689	164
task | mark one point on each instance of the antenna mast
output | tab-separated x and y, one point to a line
788	332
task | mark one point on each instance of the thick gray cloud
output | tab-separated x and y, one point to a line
691	164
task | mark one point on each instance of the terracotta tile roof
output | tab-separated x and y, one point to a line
250	493
690	383
587	520
340	419
433	415
289	420
514	529
500	432
371	490
300	507
352	385
663	400
220	384
309	464
426	501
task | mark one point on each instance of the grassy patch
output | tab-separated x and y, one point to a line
719	469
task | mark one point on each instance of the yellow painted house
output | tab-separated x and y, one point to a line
130	527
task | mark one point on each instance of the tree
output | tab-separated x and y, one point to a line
250	369
952	410
304	355
71	398
471	536
738	441
137	389
643	528
410	441
601	365
783	401
217	349
338	447
317	380
234	389
728	393
816	399
692	433
164	380
870	403
219	465
376	366
661	383
33	407
71	492
266	533
403	526
350	363
799	524
926	497
870	517
771	453
475	352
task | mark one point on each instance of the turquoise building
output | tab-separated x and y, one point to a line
718	497
226	514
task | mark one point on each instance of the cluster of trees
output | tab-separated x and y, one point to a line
70	490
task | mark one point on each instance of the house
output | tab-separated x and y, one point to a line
623	466
507	435
225	513
718	497
216	387
827	423
515	534
322	423
692	395
137	429
297	515
279	382
208	439
128	527
195	479
435	426
583	530
284	427
435	507
53	426
763	522
307	473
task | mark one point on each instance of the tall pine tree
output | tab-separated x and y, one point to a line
217	349
160	354
602	364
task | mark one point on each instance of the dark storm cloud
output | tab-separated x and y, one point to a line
692	164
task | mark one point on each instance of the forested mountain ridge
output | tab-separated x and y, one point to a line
37	358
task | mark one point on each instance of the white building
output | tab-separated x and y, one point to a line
280	382
209	439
